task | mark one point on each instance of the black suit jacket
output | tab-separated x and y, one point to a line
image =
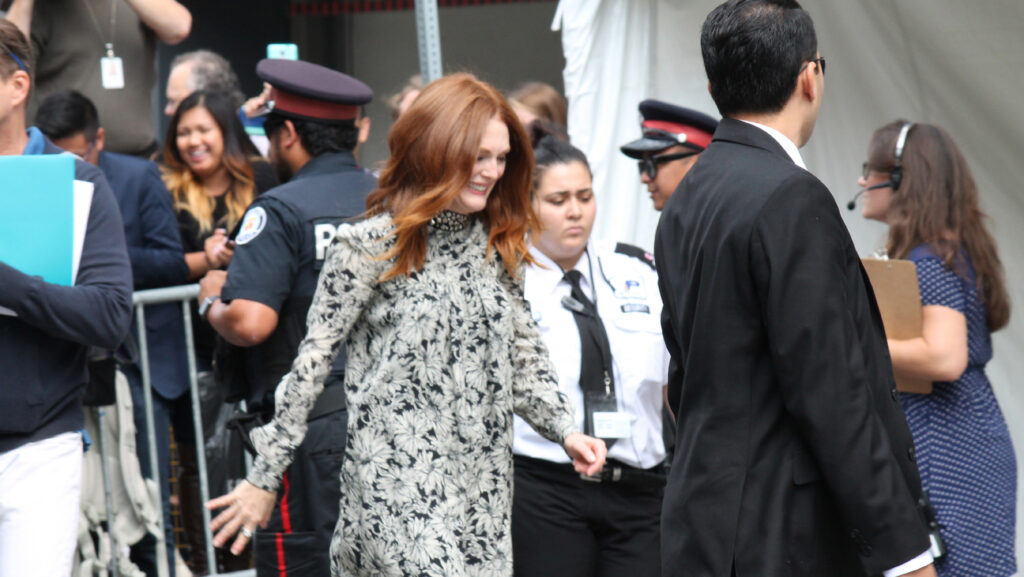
793	455
158	260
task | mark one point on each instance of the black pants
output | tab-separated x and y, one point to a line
297	540
565	526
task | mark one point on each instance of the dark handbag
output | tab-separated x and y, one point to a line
224	450
100	389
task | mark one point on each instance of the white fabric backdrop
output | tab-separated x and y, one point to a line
956	64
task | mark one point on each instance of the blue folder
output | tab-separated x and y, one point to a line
37	215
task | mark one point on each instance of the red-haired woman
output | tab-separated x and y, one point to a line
427	296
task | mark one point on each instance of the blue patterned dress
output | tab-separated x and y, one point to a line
964	450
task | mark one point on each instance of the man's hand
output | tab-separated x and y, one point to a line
257	103
218	249
211	284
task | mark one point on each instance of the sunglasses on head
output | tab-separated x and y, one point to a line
14	57
649	165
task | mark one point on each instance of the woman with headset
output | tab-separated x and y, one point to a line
917	181
598	309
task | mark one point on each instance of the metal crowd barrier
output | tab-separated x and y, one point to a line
184	294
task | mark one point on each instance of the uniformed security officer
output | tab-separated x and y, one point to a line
262	300
598	309
673	138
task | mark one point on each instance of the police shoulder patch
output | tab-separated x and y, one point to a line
635	252
252	225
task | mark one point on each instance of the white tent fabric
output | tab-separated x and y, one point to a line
956	64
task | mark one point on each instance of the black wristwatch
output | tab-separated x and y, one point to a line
204	307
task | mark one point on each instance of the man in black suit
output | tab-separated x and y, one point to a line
793	456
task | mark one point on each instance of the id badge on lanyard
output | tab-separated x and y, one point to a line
112	69
111	65
608	422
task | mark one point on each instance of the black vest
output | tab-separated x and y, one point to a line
326	193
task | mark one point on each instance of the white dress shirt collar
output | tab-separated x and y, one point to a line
551	278
788	145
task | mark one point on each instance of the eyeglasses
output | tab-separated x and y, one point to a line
649	165
821	64
866	170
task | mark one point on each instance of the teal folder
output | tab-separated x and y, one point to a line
37	215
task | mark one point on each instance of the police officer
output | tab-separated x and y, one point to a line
598	309
262	300
673	138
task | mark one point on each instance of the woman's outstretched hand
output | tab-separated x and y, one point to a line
245	508
587	453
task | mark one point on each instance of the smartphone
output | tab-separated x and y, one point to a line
283	51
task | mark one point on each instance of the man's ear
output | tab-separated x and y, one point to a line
364	129
288	135
22	85
808	83
101	139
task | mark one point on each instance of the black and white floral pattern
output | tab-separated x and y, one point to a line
437	363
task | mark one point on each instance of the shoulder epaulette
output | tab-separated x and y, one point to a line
635	252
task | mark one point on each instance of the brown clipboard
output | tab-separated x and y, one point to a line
899	301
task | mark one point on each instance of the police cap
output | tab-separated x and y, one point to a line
664	125
308	91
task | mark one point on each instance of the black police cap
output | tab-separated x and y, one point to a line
312	92
664	125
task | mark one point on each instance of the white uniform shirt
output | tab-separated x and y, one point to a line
629	304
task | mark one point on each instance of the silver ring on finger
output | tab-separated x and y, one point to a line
246	532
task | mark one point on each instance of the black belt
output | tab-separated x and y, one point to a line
614	472
623	474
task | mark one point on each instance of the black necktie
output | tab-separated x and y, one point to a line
596	375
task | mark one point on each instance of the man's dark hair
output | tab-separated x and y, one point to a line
753	51
318	137
15	51
67	113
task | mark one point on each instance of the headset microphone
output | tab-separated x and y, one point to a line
896	177
901	142
853	201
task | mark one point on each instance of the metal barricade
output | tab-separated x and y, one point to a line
184	294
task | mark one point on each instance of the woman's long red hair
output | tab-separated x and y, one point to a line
434	146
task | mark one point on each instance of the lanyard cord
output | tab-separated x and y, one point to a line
600	267
593	285
113	21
